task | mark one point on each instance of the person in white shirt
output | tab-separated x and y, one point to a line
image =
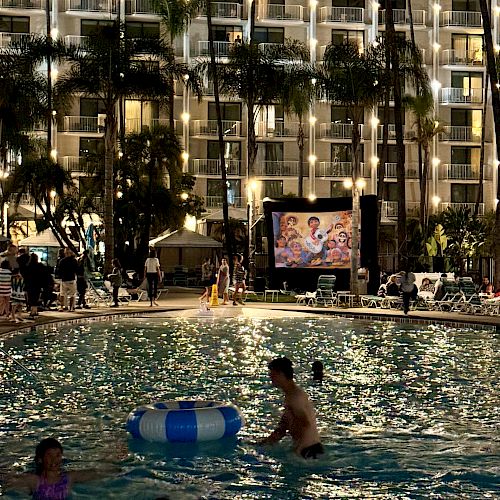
152	273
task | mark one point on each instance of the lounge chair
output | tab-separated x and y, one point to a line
325	294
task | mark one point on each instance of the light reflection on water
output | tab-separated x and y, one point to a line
405	412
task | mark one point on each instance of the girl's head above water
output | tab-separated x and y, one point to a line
43	459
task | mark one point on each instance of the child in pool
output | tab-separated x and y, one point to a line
50	482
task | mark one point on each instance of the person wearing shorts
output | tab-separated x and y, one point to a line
68	268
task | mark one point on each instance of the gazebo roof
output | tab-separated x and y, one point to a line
185	238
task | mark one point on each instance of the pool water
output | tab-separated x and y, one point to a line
404	411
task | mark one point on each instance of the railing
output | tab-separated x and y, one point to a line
456	57
81	124
79	164
137	125
7	38
209	127
334	169
206	166
389	209
413	208
164	122
461	134
22	4
337	130
76	40
276	168
223	10
461	95
221	48
91	5
391	171
465	172
456	206
216	201
280	129
462	18
341	15
282	12
407	133
401	17
264	47
142	7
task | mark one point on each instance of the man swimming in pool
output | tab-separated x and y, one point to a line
299	417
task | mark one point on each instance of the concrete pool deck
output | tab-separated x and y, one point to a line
187	300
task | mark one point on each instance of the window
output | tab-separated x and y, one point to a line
468	48
10	24
466	5
142	30
340	114
91	147
227	33
390	191
397	4
348	3
340	37
233	190
230	111
392	153
91	107
463	193
338	190
466	117
270	151
466	80
273	189
89	27
269	35
232	150
140	114
465	155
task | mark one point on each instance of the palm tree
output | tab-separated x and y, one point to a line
351	78
297	95
112	67
480	180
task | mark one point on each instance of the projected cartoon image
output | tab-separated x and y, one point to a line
319	240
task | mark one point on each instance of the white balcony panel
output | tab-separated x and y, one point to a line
408	132
280	129
456	206
335	169
221	48
223	10
341	15
207	166
79	164
461	18
216	201
107	6
461	134
82	124
337	130
209	127
76	40
145	7
7	38
276	168
465	172
401	17
461	96
22	4
389	209
453	57
275	12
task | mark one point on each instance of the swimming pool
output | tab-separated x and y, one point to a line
405	411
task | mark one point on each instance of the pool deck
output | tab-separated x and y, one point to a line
186	300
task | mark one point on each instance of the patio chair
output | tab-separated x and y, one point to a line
325	294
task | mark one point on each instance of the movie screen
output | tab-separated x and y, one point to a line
315	240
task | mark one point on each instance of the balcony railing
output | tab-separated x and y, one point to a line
221	48
280	129
461	134
141	7
22	4
216	201
391	171
79	164
341	15
108	6
276	168
456	206
7	38
389	209
408	133
464	172
454	57
207	166
223	10
209	127
76	40
337	130
461	18
461	95
83	124
401	17
281	12
335	169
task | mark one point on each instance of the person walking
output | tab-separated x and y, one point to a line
207	279
81	279
68	268
5	288
409	289
34	281
239	275
223	281
153	273
116	279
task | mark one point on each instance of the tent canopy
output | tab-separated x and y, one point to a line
234	213
44	239
184	238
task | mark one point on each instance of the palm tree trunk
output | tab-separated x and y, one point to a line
479	198
495	102
356	174
215	77
300	144
171	95
109	156
423	189
49	79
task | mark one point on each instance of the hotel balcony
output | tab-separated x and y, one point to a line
280	129
207	166
461	19
348	15
216	202
209	128
408	132
391	171
464	172
22	4
223	10
401	17
277	168
282	13
98	6
7	38
86	124
141	7
76	40
337	130
24	199
221	49
456	206
450	95
79	164
336	169
138	125
389	209
454	57
455	133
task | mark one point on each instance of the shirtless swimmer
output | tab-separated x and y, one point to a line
299	417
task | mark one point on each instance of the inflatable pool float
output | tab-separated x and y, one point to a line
184	421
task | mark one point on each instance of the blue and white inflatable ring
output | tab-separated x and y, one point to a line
184	421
